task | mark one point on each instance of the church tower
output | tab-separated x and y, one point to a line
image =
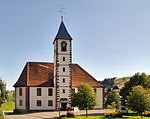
62	69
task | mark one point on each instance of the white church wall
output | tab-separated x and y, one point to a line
61	72
60	59
19	98
66	83
44	99
99	93
66	94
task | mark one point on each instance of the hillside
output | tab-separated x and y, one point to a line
121	81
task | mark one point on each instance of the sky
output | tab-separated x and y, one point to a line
111	38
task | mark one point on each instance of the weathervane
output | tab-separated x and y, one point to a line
62	11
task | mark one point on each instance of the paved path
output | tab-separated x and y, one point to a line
49	115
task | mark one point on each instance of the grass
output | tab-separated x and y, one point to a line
89	117
8	106
102	117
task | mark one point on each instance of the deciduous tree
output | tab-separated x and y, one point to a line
139	100
85	98
112	98
2	91
137	79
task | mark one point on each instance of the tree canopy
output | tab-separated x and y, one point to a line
137	79
2	91
139	99
85	98
108	82
112	99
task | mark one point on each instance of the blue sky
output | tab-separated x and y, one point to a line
111	38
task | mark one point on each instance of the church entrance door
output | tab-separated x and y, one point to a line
63	106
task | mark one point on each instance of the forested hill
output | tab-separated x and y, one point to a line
121	81
111	82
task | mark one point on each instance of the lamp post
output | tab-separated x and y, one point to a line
59	107
59	102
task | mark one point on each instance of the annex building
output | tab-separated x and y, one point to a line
49	86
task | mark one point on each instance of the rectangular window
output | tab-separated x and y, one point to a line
50	102
20	102
50	92
63	80
95	90
39	93
73	91
39	102
63	69
63	90
51	76
63	58
20	91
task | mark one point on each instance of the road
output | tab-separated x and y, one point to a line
50	115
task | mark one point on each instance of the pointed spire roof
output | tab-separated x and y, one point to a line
63	33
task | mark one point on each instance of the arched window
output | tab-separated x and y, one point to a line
63	46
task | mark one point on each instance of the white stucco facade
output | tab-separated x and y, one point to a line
62	71
44	99
64	81
20	98
99	93
60	59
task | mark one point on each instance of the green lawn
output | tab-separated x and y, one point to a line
101	117
8	106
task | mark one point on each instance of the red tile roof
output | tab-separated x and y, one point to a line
79	75
40	74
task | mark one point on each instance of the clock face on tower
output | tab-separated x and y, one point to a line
63	46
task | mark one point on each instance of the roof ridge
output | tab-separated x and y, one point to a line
39	62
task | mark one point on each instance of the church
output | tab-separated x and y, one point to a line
49	86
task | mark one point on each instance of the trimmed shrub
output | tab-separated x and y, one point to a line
147	114
117	115
108	114
70	114
62	117
114	115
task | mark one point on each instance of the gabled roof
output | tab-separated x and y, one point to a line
40	74
36	74
63	33
22	81
79	75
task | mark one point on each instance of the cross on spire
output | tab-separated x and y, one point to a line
62	11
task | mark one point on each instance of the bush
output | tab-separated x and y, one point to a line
108	114
70	114
112	105
62	117
114	115
147	114
117	115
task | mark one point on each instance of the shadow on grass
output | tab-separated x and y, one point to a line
92	114
132	114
